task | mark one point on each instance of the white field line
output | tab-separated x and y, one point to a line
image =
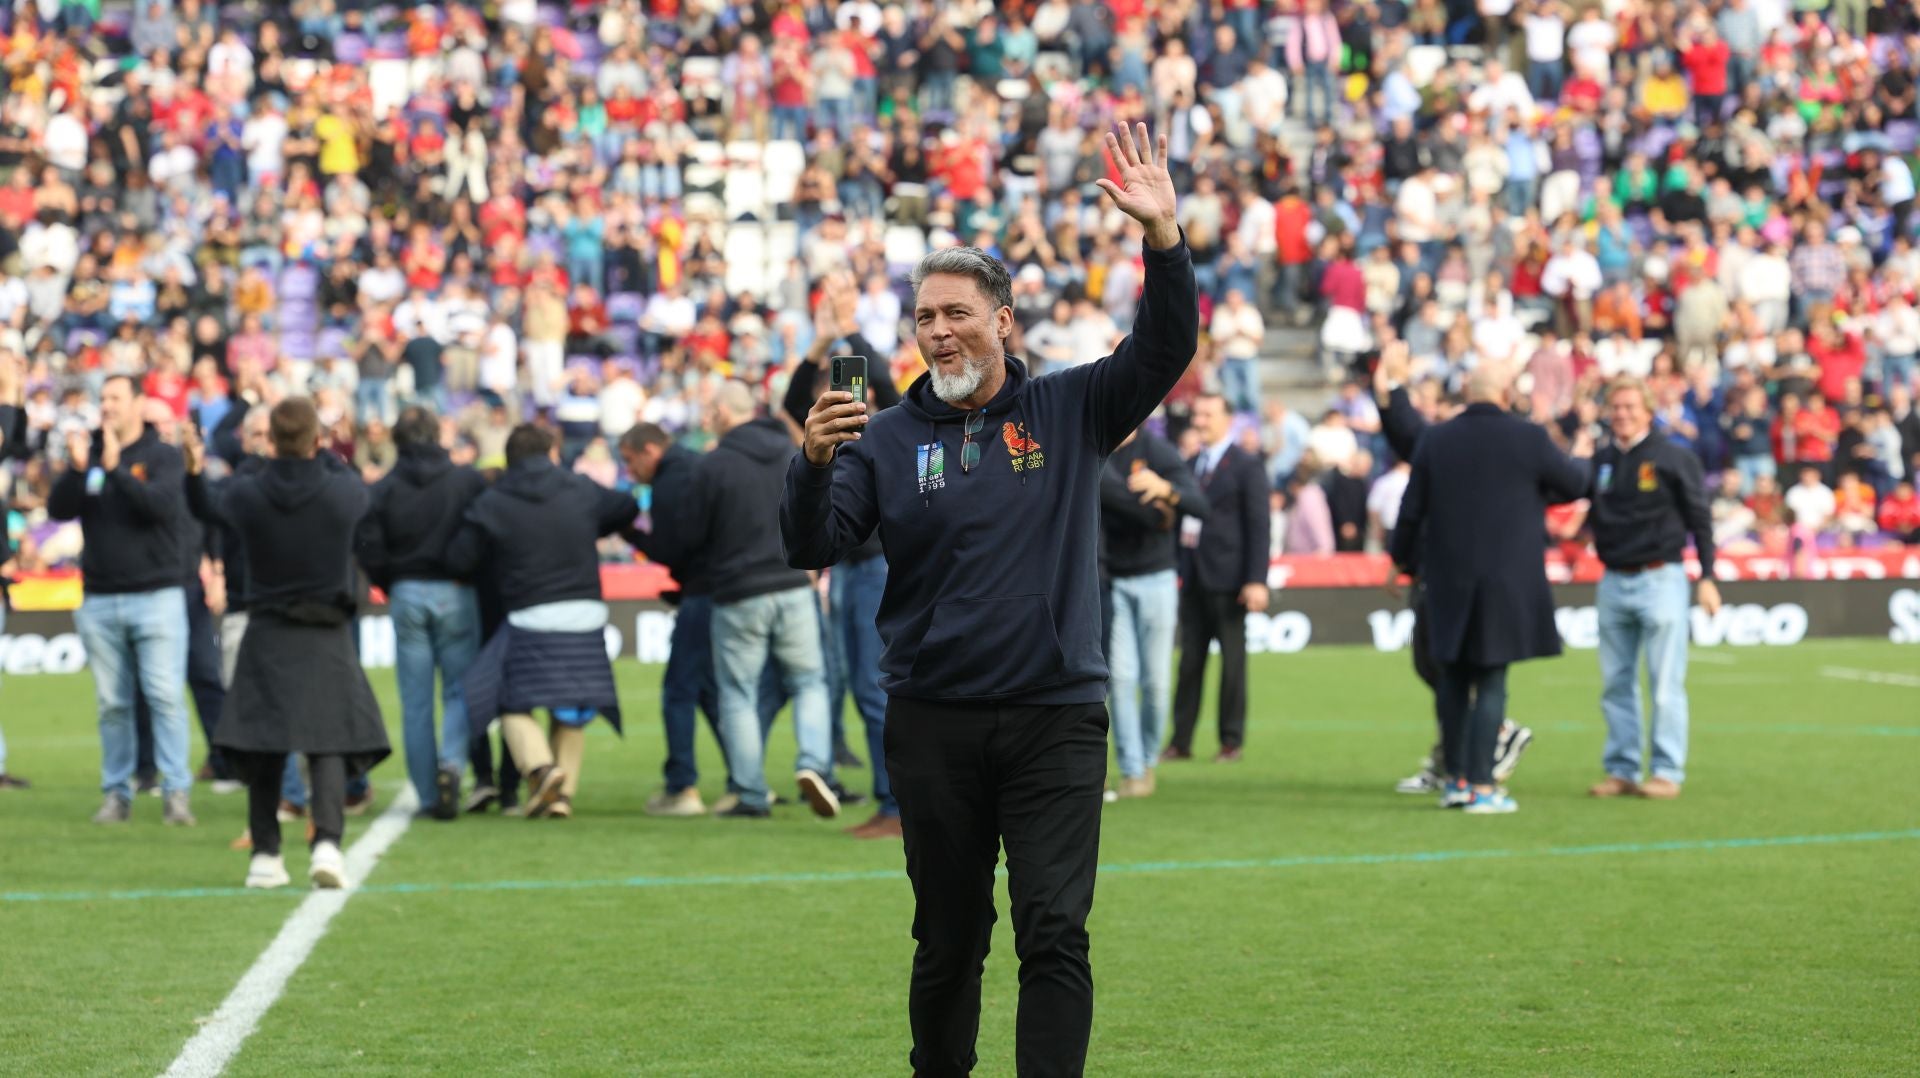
1871	677
219	1040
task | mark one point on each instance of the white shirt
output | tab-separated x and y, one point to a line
1333	445
1896	181
1497	338
665	314
879	318
1576	273
421	318
499	358
1417	206
1592	43
1092	337
1384	499
1263	97
1510	92
65	142
261	137
1239	333
1256	226
1766	277
1810	505
620	404
1546	38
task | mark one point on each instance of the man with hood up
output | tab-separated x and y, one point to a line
984	485
417	507
297	684
762	607
536	529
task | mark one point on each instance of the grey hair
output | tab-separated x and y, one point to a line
987	271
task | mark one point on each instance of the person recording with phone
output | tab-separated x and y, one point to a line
984	486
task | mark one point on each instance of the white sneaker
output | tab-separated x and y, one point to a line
267	870
329	869
819	794
224	787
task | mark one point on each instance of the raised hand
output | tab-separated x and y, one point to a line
1145	191
109	449
79	449
192	447
835	418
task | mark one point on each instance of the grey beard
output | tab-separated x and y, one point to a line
954	388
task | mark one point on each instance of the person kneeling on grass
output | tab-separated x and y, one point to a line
297	682
535	529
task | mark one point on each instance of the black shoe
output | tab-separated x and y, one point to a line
146	784
847	797
481	798
744	811
446	794
14	782
844	757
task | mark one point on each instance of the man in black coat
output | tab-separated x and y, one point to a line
298	685
402	544
1145	491
1402	423
1223	571
1472	529
537	530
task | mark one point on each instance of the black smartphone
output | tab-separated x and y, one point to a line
850	376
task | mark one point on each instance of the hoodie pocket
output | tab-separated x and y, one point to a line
988	647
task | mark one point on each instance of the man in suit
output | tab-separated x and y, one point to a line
1472	529
1223	572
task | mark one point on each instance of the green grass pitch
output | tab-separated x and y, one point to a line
1286	915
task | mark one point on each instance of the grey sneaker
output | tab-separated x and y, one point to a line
176	813
115	809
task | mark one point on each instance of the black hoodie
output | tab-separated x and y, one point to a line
133	526
539	526
416	509
295	518
993	586
676	511
740	483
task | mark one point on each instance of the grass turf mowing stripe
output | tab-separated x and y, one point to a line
1133	868
210	1050
1871	677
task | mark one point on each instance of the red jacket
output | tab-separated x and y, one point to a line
1708	66
1290	218
1901	516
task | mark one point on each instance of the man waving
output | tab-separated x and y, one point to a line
985	487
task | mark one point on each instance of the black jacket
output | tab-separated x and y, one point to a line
416	509
1473	528
134	526
1646	500
539	526
1402	425
295	519
993	582
227	544
13	446
740	484
1138	539
1236	534
672	515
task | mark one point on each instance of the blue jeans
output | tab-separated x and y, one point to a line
1319	85
1544	78
786	626
790	122
853	604
370	399
1648	611
1752	467
689	683
1240	384
144	635
1146	612
837	113
436	626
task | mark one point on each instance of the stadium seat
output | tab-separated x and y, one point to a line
707	152
783	160
746	254
745	193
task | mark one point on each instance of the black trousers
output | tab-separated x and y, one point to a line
1206	616
971	778
326	797
1470	701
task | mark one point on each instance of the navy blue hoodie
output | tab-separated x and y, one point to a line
993	576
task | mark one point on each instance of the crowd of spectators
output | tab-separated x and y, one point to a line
590	214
